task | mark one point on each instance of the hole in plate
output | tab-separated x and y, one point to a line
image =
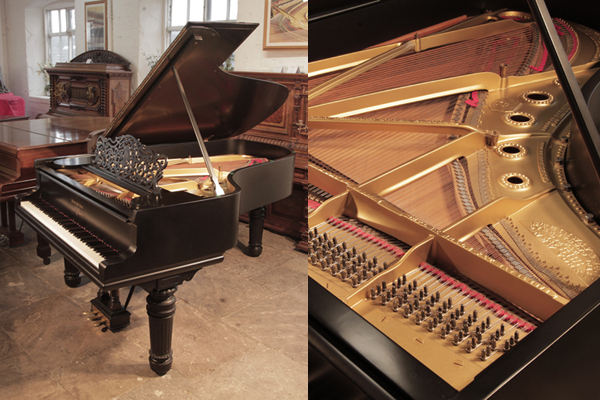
538	96
519	118
511	150
515	180
516	15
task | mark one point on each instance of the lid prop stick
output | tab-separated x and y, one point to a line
211	172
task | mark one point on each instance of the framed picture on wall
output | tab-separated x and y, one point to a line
96	35
286	24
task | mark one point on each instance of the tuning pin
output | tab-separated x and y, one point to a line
483	355
90	313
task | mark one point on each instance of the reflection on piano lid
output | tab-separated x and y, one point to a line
454	144
111	217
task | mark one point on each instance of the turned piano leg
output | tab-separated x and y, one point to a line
72	274
161	310
44	252
256	223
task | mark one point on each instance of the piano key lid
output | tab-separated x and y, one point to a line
223	104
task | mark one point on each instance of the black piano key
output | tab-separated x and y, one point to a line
92	241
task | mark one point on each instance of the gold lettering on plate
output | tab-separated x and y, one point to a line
573	251
77	208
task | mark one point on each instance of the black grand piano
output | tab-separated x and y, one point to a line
149	207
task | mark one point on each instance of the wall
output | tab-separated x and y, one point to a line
136	31
251	56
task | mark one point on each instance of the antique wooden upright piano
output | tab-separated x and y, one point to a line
149	207
454	249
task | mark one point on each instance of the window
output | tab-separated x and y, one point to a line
60	28
182	11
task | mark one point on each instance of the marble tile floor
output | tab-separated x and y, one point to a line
240	331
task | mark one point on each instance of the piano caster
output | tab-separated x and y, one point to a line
72	275
256	222
161	310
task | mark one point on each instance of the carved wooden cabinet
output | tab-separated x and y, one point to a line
287	128
95	83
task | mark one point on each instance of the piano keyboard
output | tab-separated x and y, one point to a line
88	245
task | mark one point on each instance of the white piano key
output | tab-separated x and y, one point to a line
71	240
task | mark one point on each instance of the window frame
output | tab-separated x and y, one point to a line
206	13
70	32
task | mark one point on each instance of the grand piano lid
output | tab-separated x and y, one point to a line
224	105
